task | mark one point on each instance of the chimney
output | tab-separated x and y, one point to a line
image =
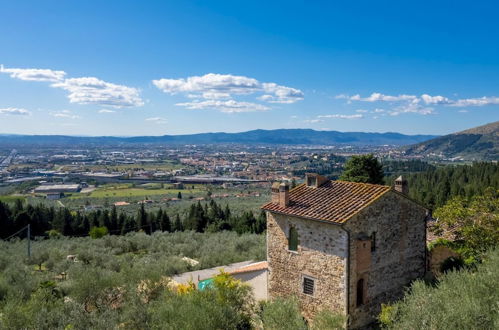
401	185
283	194
275	193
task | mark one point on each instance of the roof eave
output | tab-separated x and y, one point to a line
308	218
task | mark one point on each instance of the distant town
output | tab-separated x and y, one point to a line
202	164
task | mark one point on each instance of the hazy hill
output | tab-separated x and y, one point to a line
479	143
278	136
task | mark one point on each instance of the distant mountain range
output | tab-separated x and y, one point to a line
278	136
479	143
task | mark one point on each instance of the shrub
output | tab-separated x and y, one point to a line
465	299
282	314
330	320
98	232
451	264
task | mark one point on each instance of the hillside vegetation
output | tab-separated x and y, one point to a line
117	280
260	136
437	185
465	299
479	143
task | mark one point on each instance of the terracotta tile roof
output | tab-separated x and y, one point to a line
262	265
334	201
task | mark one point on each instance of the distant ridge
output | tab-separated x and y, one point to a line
278	136
478	143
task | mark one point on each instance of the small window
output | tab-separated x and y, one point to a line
293	239
360	292
373	241
308	286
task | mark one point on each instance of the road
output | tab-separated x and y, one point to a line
7	160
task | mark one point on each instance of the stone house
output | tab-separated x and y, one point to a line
344	246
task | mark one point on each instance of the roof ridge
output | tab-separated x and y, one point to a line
362	183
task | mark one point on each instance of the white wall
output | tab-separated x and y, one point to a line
258	282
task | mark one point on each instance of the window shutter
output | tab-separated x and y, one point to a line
308	286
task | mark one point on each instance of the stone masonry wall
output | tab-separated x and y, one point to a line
399	255
321	255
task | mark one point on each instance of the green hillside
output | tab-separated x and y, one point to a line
479	143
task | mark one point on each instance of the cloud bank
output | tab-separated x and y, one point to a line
424	98
84	90
217	91
34	74
14	112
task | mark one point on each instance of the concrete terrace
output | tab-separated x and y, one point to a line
199	275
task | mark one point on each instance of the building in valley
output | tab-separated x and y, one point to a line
344	246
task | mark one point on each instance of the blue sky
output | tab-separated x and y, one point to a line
157	67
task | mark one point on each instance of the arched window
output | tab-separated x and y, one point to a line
293	239
360	292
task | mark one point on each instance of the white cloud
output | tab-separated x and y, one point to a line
214	95
438	99
378	111
14	111
106	111
157	120
313	121
34	74
211	82
91	90
280	94
424	98
476	102
463	111
338	116
342	96
64	114
411	108
228	106
361	111
217	91
377	97
84	90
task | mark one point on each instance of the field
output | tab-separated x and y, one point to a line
104	192
238	198
11	199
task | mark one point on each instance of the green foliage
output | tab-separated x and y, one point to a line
443	242
326	319
102	289
398	167
52	233
363	168
282	314
465	299
435	187
387	316
201	217
196	310
475	221
98	232
451	264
